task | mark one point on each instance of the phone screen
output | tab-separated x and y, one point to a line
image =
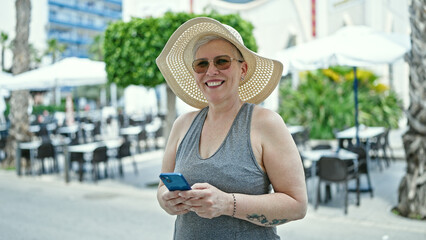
175	181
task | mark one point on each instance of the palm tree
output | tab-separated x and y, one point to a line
412	189
19	130
35	57
96	48
55	49
3	40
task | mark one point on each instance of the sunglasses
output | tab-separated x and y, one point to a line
222	62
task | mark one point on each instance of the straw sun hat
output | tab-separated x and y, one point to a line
175	63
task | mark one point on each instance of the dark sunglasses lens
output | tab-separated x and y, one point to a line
200	66
222	62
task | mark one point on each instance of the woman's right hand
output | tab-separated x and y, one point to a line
172	203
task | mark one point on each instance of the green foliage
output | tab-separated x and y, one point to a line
324	101
96	48
39	109
132	47
55	49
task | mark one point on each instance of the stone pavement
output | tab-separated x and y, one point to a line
44	207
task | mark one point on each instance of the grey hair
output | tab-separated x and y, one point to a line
208	38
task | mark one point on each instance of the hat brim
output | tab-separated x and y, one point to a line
175	61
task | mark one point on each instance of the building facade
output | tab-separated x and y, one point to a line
76	23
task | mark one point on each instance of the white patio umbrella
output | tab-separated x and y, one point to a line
67	72
355	46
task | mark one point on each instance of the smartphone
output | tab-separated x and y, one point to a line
175	181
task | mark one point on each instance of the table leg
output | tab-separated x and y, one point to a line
18	159
314	182
66	164
32	161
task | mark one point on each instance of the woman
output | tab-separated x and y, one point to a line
231	151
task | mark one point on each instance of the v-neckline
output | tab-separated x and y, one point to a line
224	140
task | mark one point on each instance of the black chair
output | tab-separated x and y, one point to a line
79	158
47	151
124	151
335	170
142	137
3	141
99	156
158	136
377	145
43	133
306	168
386	145
302	139
363	167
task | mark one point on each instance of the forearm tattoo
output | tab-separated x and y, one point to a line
263	220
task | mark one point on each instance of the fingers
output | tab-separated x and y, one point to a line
174	204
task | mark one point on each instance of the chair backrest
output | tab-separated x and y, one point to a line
362	157
307	170
100	154
43	131
46	150
124	150
142	136
76	156
332	169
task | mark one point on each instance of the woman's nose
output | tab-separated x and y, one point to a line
212	69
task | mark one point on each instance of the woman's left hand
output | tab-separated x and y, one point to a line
207	201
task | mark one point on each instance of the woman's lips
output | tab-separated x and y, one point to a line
214	83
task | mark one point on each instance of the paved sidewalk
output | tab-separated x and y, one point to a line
44	207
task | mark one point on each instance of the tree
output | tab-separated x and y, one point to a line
55	49
19	130
412	189
96	48
35	57
3	43
132	47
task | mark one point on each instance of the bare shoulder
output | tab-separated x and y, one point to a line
182	124
266	118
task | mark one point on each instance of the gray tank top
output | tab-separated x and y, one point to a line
232	168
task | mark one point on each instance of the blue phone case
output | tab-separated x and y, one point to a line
175	181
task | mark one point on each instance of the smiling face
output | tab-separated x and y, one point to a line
220	86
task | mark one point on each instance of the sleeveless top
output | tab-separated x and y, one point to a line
232	168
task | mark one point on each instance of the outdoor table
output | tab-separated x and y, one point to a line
315	155
32	147
36	128
87	148
131	131
131	134
68	130
365	133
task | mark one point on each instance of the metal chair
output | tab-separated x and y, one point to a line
377	144
124	151
336	170
99	156
363	167
47	151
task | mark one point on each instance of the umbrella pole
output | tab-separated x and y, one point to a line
356	107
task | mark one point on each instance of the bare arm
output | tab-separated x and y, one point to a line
282	163
171	202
